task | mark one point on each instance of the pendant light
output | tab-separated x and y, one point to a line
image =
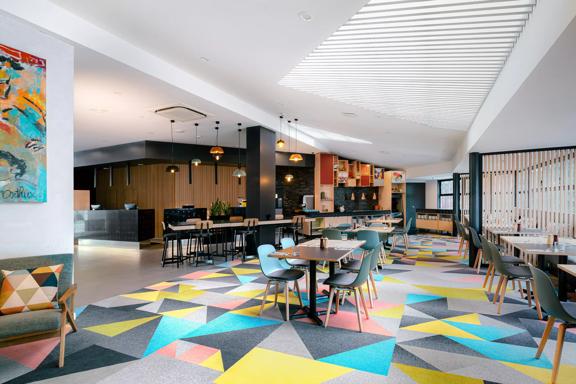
239	172
217	152
289	177
296	157
196	161
280	143
172	168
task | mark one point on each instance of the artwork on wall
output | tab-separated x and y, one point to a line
398	177
378	177
22	127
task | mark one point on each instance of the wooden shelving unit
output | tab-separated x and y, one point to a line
331	172
434	220
392	194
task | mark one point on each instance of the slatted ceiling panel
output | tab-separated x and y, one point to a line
539	186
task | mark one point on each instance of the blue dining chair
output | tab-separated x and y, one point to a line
275	272
302	265
372	243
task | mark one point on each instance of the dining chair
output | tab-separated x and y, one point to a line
350	282
303	265
404	233
478	245
510	272
544	290
464	239
275	272
332	234
491	271
372	243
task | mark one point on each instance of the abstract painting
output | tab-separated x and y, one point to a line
22	127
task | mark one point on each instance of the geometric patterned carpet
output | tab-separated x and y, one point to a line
432	323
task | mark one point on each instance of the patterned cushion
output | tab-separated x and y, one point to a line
30	289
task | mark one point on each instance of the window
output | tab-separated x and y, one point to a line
445	194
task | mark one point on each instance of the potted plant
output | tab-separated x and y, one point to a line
219	211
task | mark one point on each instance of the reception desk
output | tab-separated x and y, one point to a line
118	227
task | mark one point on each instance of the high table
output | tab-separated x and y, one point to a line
385	220
534	249
310	251
372	228
494	233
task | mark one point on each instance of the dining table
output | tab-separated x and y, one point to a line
332	253
384	220
494	233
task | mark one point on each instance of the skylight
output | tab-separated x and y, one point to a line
428	61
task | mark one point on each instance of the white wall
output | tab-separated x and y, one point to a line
39	229
432	194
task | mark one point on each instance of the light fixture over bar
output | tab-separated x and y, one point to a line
428	61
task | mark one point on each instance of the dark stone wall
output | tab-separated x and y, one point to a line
291	193
342	196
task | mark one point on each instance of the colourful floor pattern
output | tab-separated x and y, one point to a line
431	324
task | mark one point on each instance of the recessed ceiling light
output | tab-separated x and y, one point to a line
304	16
349	114
205	59
179	131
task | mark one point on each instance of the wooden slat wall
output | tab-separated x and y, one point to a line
539	187
465	195
151	187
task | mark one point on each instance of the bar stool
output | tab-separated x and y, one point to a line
203	238
169	236
192	221
250	228
297	226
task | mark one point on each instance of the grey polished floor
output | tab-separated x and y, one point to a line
102	272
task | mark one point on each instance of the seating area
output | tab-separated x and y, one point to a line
288	192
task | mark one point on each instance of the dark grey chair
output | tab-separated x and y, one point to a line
404	233
491	271
544	290
464	239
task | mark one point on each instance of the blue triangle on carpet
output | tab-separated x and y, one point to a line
373	358
170	329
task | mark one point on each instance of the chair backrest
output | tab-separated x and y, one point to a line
66	276
547	295
486	253
287	242
496	259
474	236
332	234
458	227
251	223
298	220
371	238
408	225
268	264
205	224
344	226
365	268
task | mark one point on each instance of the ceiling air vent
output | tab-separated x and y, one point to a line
180	113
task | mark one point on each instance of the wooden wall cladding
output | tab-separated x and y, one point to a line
465	195
152	187
538	186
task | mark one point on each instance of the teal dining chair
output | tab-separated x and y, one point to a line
549	300
332	234
372	243
303	265
277	273
350	282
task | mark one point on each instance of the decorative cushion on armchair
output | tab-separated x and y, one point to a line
30	289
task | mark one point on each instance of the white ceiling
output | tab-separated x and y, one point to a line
250	45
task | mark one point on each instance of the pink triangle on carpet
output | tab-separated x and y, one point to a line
30	354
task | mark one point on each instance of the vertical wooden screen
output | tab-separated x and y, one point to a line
539	187
465	194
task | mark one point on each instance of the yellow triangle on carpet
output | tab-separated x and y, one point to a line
393	313
456	293
146	296
114	329
428	376
393	280
438	327
214	362
245	271
181	313
566	373
471	318
252	311
215	275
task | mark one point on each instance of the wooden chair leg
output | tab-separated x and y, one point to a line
329	309
497	291
265	298
358	309
503	293
297	289
479	257
558	353
276	289
287	295
369	294
528	292
373	284
491	279
487	276
537	301
547	330
363	303
460	244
